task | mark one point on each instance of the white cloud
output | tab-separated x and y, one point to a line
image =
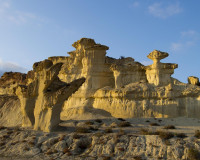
9	13
10	66
146	63
187	39
163	11
189	33
176	46
135	4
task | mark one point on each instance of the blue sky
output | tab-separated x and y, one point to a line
33	30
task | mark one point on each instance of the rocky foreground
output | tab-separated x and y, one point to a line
104	139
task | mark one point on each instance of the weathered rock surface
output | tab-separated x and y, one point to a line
24	144
42	99
110	88
193	80
10	112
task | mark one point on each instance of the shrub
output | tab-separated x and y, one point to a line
83	144
66	150
120	133
137	158
106	158
169	127
89	123
98	134
121	119
165	135
76	136
93	128
154	124
2	143
61	138
98	120
2	127
31	143
144	131
148	132
49	152
124	124
193	154
108	130
82	130
197	134
180	135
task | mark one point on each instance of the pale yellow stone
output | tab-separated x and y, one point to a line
88	84
193	80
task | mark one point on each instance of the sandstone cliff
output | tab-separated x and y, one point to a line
88	84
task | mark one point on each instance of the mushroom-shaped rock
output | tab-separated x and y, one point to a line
159	73
157	55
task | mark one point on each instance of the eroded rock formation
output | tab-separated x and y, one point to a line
110	87
42	99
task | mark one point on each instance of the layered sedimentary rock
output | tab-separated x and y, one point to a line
88	82
42	99
126	88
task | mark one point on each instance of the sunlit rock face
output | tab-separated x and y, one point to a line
124	87
90	84
193	80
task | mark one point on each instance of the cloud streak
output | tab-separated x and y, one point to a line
135	4
10	66
163	11
187	39
9	13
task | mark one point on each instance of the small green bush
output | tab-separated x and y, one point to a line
98	120
108	130
121	119
197	134
82	130
89	123
76	136
193	154
165	135
154	124
180	135
148	132
169	127
124	124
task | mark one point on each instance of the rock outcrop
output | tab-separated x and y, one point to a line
42	99
193	80
110	87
